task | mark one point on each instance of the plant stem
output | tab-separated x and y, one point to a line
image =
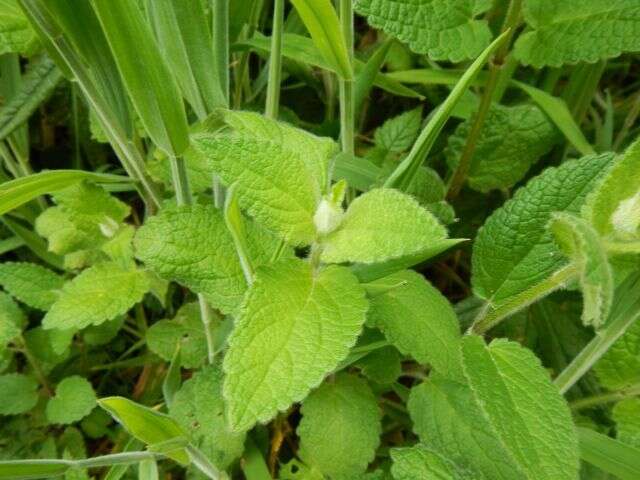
347	105
462	170
221	44
180	180
205	314
275	61
604	398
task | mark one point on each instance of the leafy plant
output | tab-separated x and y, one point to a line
270	240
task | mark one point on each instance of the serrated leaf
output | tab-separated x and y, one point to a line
572	32
612	208
199	408
340	427
187	330
420	462
511	141
583	247
626	414
12	319
73	401
294	327
444	30
384	224
16	35
418	320
145	424
514	250
280	171
19	394
30	283
398	133
506	421
98	294
191	245
619	367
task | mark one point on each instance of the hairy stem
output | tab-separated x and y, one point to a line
275	61
462	170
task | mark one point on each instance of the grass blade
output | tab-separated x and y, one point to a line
403	175
152	89
31	469
366	77
610	455
323	24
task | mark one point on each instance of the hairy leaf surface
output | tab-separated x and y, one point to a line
420	462
340	427
294	328
442	29
572	32
12	319
620	366
74	400
417	319
626	414
31	283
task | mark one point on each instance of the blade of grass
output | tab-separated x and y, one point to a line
366	77
402	176
610	455
275	61
34	242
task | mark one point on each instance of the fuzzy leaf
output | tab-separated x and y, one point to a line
626	414
98	294
613	207
340	427
582	246
281	171
514	250
12	319
398	133
442	29
620	366
506	421
420	462
191	245
417	319
383	224
185	329
74	400
16	35
294	327
511	141
572	32
19	394
30	283
199	408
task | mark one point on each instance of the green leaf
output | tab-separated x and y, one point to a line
19	394
506	421
420	462
443	30
16	34
145	424
417	319
340	427
583	247
36	86
280	171
32	469
17	192
148	470
510	143
151	87
12	320
610	455
382	366
98	294
626	414
294	328
514	250
185	329
31	283
619	367
398	133
185	40
323	24
191	245
74	400
384	224
568	33
612	208
366	77
199	408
